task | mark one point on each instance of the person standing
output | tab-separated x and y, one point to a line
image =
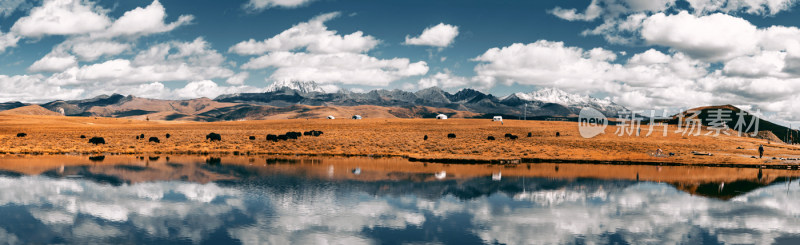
760	151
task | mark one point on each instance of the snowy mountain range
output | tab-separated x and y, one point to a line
558	96
305	87
306	99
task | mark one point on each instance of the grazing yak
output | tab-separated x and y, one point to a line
213	137
530	134
490	138
137	137
511	136
293	135
283	137
425	138
252	138
272	137
97	140
314	133
141	136
452	136
22	135
154	139
167	136
83	136
558	134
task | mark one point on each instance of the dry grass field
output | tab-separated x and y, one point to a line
378	137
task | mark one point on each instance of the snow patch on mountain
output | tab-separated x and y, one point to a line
301	86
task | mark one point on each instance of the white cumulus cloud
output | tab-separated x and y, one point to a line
313	36
441	35
265	4
144	21
61	17
346	68
53	63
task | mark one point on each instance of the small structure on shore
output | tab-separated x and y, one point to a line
441	116
497	176
497	118
331	117
357	117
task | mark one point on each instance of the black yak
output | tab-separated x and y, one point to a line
425	138
558	134
272	137
213	137
97	140
508	135
314	133
293	135
83	136
530	134
452	136
99	158
167	136
513	137
283	137
137	137
490	138
154	139
141	136
252	138
22	135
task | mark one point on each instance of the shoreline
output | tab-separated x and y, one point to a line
457	161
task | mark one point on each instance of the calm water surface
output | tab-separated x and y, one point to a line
362	201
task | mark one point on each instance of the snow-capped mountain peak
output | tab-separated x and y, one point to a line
301	86
558	96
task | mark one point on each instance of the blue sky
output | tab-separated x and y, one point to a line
644	54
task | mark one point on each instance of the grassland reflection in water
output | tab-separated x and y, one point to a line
306	202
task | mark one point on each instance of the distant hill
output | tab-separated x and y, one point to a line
30	110
11	105
296	99
768	130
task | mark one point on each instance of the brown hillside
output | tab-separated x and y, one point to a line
35	110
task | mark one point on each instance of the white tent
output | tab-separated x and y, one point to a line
331	117
497	119
441	116
357	117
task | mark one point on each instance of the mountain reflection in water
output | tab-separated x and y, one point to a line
310	201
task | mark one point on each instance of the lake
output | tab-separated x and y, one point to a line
328	200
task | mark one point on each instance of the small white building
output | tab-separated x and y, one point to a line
331	117
497	119
357	117
441	116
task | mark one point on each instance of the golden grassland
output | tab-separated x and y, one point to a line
379	137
